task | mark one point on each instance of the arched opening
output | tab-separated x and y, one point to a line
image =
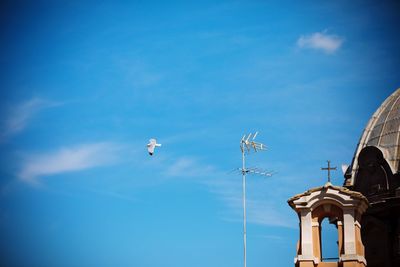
329	240
374	176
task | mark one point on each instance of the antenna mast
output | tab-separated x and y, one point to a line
247	144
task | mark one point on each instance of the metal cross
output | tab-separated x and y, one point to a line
329	170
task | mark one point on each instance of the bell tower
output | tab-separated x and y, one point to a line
344	209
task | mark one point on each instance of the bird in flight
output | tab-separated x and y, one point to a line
152	145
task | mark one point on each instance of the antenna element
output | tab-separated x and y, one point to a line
246	143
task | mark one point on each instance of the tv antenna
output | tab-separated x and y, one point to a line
247	145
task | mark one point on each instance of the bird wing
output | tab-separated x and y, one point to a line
153	141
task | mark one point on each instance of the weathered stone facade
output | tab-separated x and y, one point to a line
374	172
344	208
374	178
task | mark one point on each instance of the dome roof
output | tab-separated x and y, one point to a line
383	132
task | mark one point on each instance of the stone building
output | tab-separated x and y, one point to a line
374	172
344	208
366	210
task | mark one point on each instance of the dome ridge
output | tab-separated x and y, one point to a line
383	132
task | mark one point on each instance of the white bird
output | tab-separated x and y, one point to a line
151	146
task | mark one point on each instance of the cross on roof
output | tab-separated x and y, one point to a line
329	170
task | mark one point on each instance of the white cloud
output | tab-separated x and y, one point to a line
68	159
187	166
265	213
321	41
261	209
19	116
114	194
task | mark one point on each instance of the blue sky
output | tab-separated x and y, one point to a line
84	85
